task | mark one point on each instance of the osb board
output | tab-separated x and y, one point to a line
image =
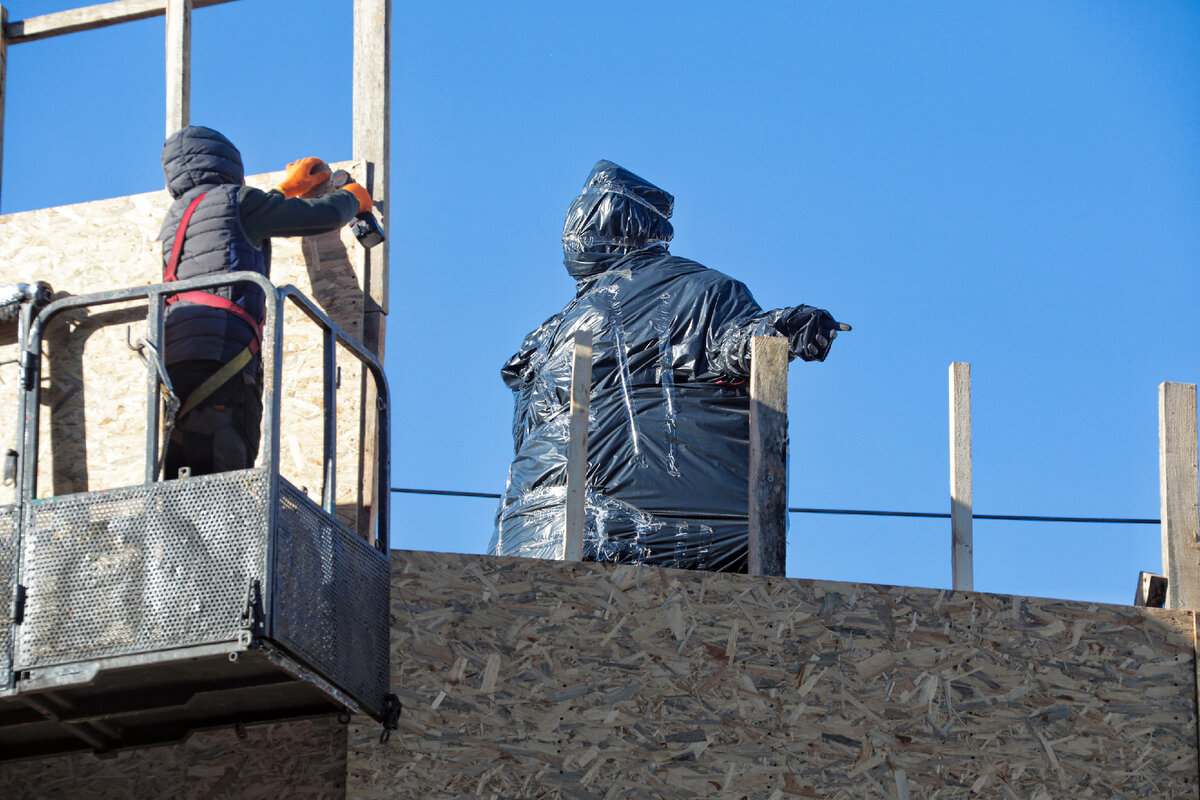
304	760
524	678
93	436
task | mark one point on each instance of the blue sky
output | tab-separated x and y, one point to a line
1015	185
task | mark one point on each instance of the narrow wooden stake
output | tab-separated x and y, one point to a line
768	456
372	114
3	73
1179	489
961	521
581	391
179	63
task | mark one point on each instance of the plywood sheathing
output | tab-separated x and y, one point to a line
94	397
539	679
304	760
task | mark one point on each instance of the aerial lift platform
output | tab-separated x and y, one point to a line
135	607
142	613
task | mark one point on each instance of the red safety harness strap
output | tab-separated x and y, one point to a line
206	298
173	263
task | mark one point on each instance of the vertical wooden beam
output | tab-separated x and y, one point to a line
1179	486
581	392
371	120
3	74
768	455
179	64
372	131
961	521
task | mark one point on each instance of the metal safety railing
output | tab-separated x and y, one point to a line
32	329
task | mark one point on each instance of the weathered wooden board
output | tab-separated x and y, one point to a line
94	400
542	679
305	760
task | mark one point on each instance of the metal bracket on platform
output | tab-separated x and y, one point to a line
391	717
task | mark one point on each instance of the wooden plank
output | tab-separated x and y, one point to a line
768	456
90	18
1179	493
179	63
371	121
577	449
961	533
3	73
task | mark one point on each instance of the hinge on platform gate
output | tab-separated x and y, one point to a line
18	606
10	467
253	614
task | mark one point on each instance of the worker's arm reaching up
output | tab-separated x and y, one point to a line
301	205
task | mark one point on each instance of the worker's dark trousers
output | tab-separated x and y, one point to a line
222	432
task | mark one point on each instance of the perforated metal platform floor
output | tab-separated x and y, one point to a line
141	614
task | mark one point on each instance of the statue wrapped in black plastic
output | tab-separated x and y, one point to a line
668	447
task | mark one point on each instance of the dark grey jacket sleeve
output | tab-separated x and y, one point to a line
267	214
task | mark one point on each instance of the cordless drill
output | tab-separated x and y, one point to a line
365	227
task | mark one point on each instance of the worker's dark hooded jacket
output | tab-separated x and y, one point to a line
198	161
229	231
668	444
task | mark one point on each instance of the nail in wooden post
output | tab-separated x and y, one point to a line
179	63
581	390
961	521
768	455
1179	488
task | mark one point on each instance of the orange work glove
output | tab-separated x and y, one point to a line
364	198
304	177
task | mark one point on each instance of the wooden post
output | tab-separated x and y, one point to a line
372	116
372	132
961	521
581	392
1179	488
179	64
768	456
3	72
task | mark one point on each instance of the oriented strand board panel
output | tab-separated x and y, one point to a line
93	434
304	760
539	679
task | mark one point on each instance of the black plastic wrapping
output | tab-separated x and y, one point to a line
668	448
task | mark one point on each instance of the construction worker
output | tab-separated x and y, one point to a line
212	338
668	449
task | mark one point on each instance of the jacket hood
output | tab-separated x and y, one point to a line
617	212
197	156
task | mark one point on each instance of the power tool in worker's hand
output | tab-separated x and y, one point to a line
365	227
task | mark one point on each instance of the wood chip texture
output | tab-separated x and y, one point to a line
94	397
524	678
303	760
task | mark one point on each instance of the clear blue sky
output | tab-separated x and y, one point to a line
1016	185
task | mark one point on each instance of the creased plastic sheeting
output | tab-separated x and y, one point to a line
613	531
668	448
